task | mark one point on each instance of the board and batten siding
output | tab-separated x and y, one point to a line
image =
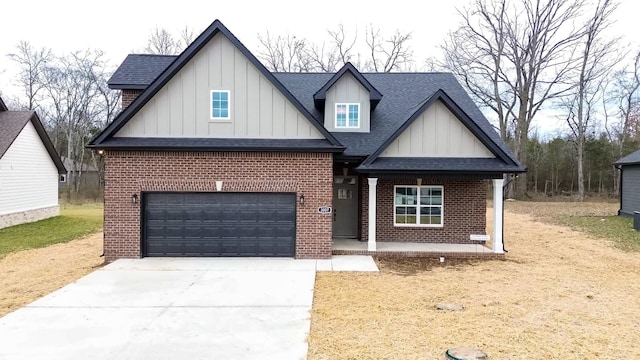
182	108
28	176
630	196
347	90
437	132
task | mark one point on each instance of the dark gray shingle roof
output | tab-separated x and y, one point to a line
631	159
137	71
402	95
11	124
436	165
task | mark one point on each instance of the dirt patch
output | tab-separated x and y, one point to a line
558	294
30	274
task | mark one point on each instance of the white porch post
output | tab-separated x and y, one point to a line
373	183
498	208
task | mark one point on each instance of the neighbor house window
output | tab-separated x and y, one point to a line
418	205
220	105
347	115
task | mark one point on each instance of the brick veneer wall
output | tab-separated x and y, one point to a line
128	96
464	211
133	172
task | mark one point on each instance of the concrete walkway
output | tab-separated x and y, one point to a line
174	309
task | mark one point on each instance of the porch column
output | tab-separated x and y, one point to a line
498	208
373	183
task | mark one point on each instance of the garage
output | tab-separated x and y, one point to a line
218	224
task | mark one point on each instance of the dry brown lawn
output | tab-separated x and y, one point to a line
30	274
558	295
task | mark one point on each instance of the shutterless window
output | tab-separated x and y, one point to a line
220	104
418	206
347	115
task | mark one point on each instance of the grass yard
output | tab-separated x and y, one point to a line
74	222
59	252
595	218
559	294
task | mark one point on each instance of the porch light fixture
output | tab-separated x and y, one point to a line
419	182
134	198
100	152
301	199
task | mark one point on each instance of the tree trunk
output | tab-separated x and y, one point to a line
580	170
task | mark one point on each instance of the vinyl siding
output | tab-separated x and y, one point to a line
182	108
630	189
437	132
347	90
28	176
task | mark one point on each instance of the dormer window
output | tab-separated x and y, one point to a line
347	115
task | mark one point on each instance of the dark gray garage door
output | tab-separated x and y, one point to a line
219	224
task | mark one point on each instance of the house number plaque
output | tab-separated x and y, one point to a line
324	210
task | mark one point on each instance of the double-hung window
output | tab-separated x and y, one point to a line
220	105
418	206
347	115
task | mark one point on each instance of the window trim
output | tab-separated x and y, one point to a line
221	119
417	206
335	116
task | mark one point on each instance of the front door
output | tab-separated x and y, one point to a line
345	206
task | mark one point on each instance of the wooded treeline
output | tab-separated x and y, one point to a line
529	64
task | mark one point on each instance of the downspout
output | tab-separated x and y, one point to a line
504	188
621	182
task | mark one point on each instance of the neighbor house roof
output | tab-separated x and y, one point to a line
631	159
12	123
176	65
3	107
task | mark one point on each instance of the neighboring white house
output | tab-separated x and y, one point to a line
29	169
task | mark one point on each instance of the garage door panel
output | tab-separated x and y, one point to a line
219	224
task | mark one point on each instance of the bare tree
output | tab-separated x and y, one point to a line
31	63
162	42
284	53
597	58
514	56
627	92
388	53
72	97
384	54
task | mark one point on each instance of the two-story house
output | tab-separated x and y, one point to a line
213	155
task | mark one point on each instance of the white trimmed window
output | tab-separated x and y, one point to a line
347	115
220	105
418	206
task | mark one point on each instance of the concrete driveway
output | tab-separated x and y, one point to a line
170	309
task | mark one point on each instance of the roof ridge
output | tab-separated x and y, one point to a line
153	55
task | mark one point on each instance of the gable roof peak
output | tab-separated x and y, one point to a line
477	131
180	61
321	95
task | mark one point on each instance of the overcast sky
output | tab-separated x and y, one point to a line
119	27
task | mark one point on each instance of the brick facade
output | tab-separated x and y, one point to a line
464	211
128	96
134	172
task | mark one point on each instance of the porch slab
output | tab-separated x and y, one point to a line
412	249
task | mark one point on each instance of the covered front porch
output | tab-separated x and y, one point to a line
477	244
